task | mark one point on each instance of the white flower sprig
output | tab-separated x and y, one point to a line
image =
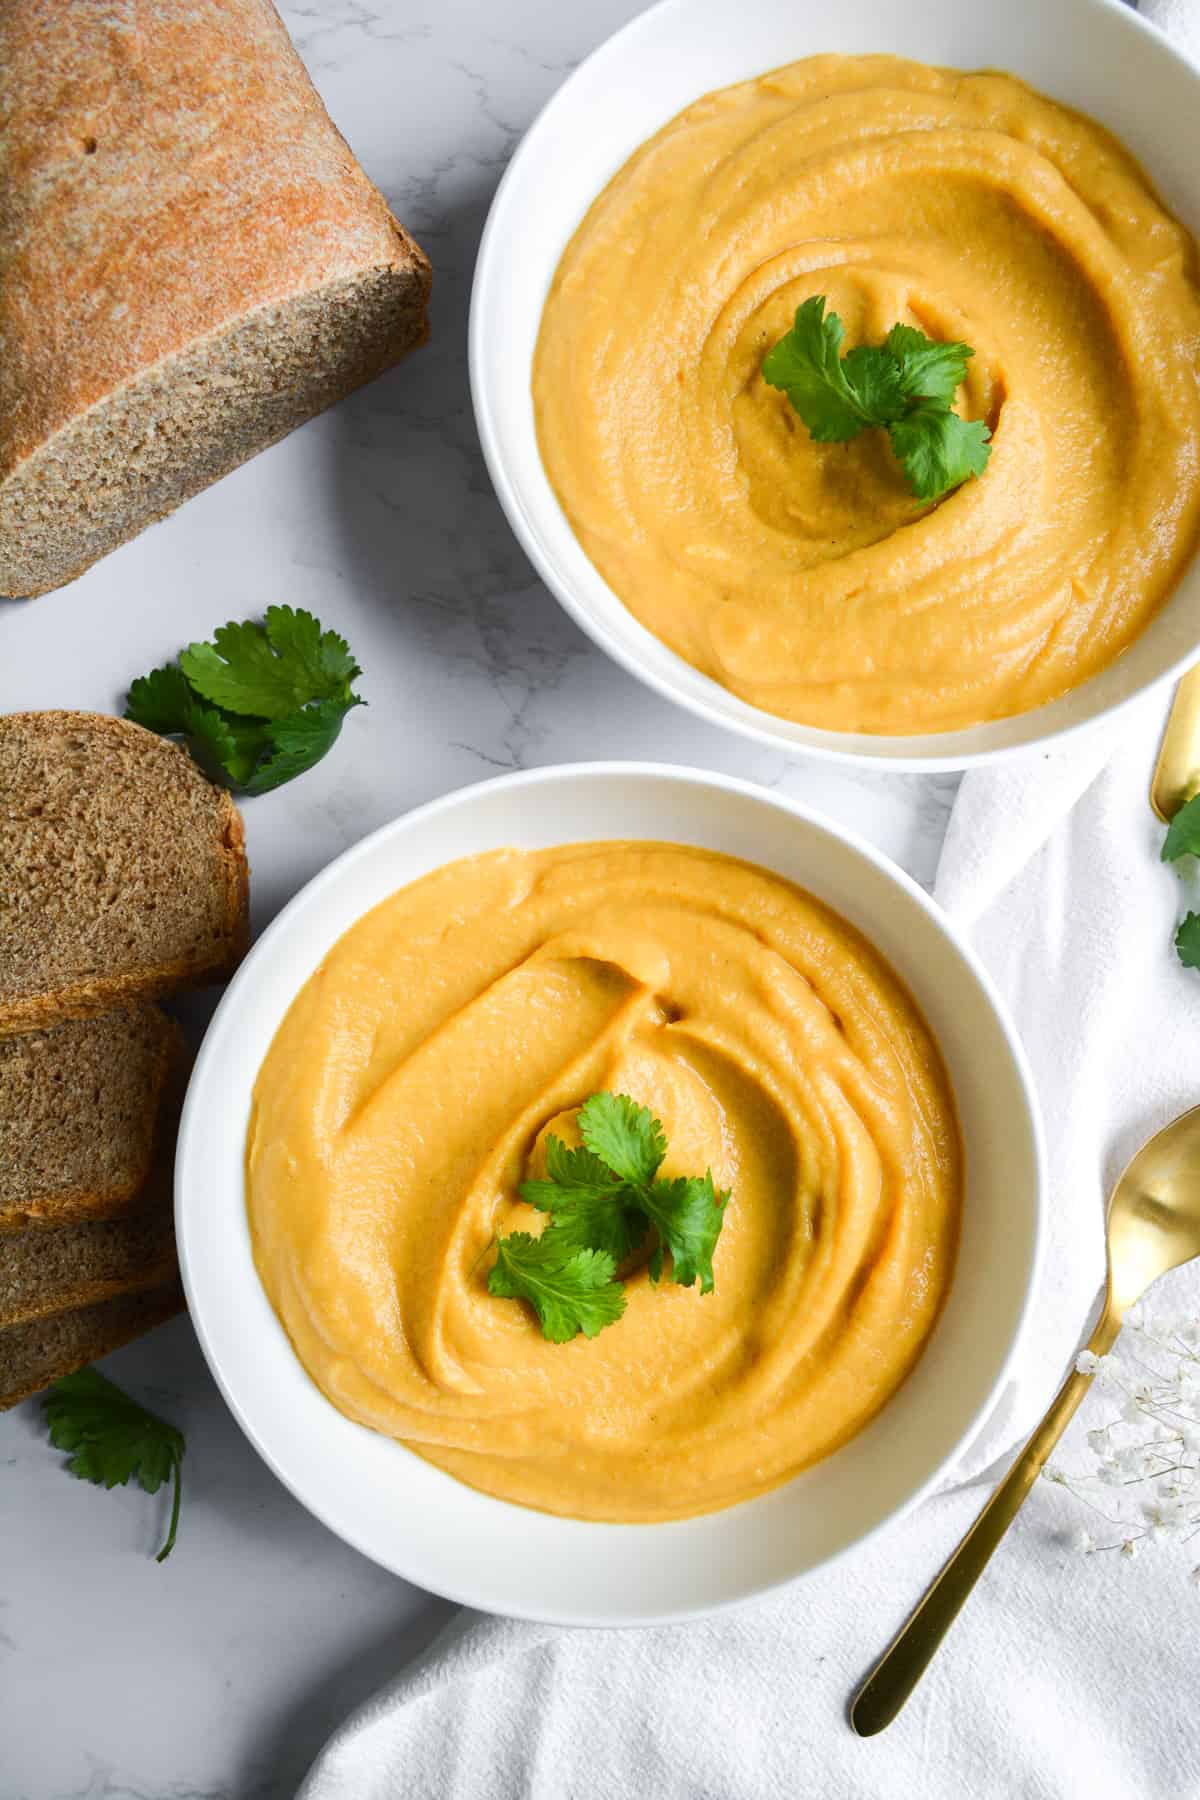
1145	1482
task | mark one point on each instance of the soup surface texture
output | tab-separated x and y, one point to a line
410	1090
803	576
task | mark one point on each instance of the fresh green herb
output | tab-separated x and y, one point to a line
259	705
114	1439
905	386
569	1292
588	1202
602	1199
1183	839
938	449
1183	833
689	1213
1187	941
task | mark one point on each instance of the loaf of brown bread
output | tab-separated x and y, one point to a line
44	1350
87	1108
191	264
122	869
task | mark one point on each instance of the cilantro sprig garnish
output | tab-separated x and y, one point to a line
603	1199
1183	833
1183	839
113	1439
905	386
1187	941
569	1290
258	705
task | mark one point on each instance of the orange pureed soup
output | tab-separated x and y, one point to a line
410	1091
803	576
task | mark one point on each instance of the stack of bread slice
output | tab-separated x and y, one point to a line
122	880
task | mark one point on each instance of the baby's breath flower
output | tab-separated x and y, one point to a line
1189	1380
1163	1517
1143	1468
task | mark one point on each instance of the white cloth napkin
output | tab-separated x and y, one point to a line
1066	1675
1180	19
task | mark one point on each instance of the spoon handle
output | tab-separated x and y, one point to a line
910	1652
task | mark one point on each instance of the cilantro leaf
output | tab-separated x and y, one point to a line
905	386
689	1213
322	657
587	1202
164	703
625	1136
578	1168
1183	833
232	745
874	380
298	742
240	671
938	449
572	1175
570	1290
807	364
269	671
1187	941
113	1439
259	705
928	370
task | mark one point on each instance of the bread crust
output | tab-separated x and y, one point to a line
77	1205
35	1354
187	140
91	1291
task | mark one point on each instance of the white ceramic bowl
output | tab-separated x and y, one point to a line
422	1523
1093	54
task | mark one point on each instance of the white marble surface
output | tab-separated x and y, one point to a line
219	1673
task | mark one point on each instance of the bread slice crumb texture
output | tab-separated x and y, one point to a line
34	1355
44	1272
80	1115
122	869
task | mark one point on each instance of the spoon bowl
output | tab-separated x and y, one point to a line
1154	1213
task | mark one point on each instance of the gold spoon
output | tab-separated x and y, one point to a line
1177	771
1153	1226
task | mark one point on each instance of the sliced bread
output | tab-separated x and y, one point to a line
82	1109
35	1354
56	1270
122	869
191	264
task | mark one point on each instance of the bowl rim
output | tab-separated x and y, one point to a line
189	1177
822	745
